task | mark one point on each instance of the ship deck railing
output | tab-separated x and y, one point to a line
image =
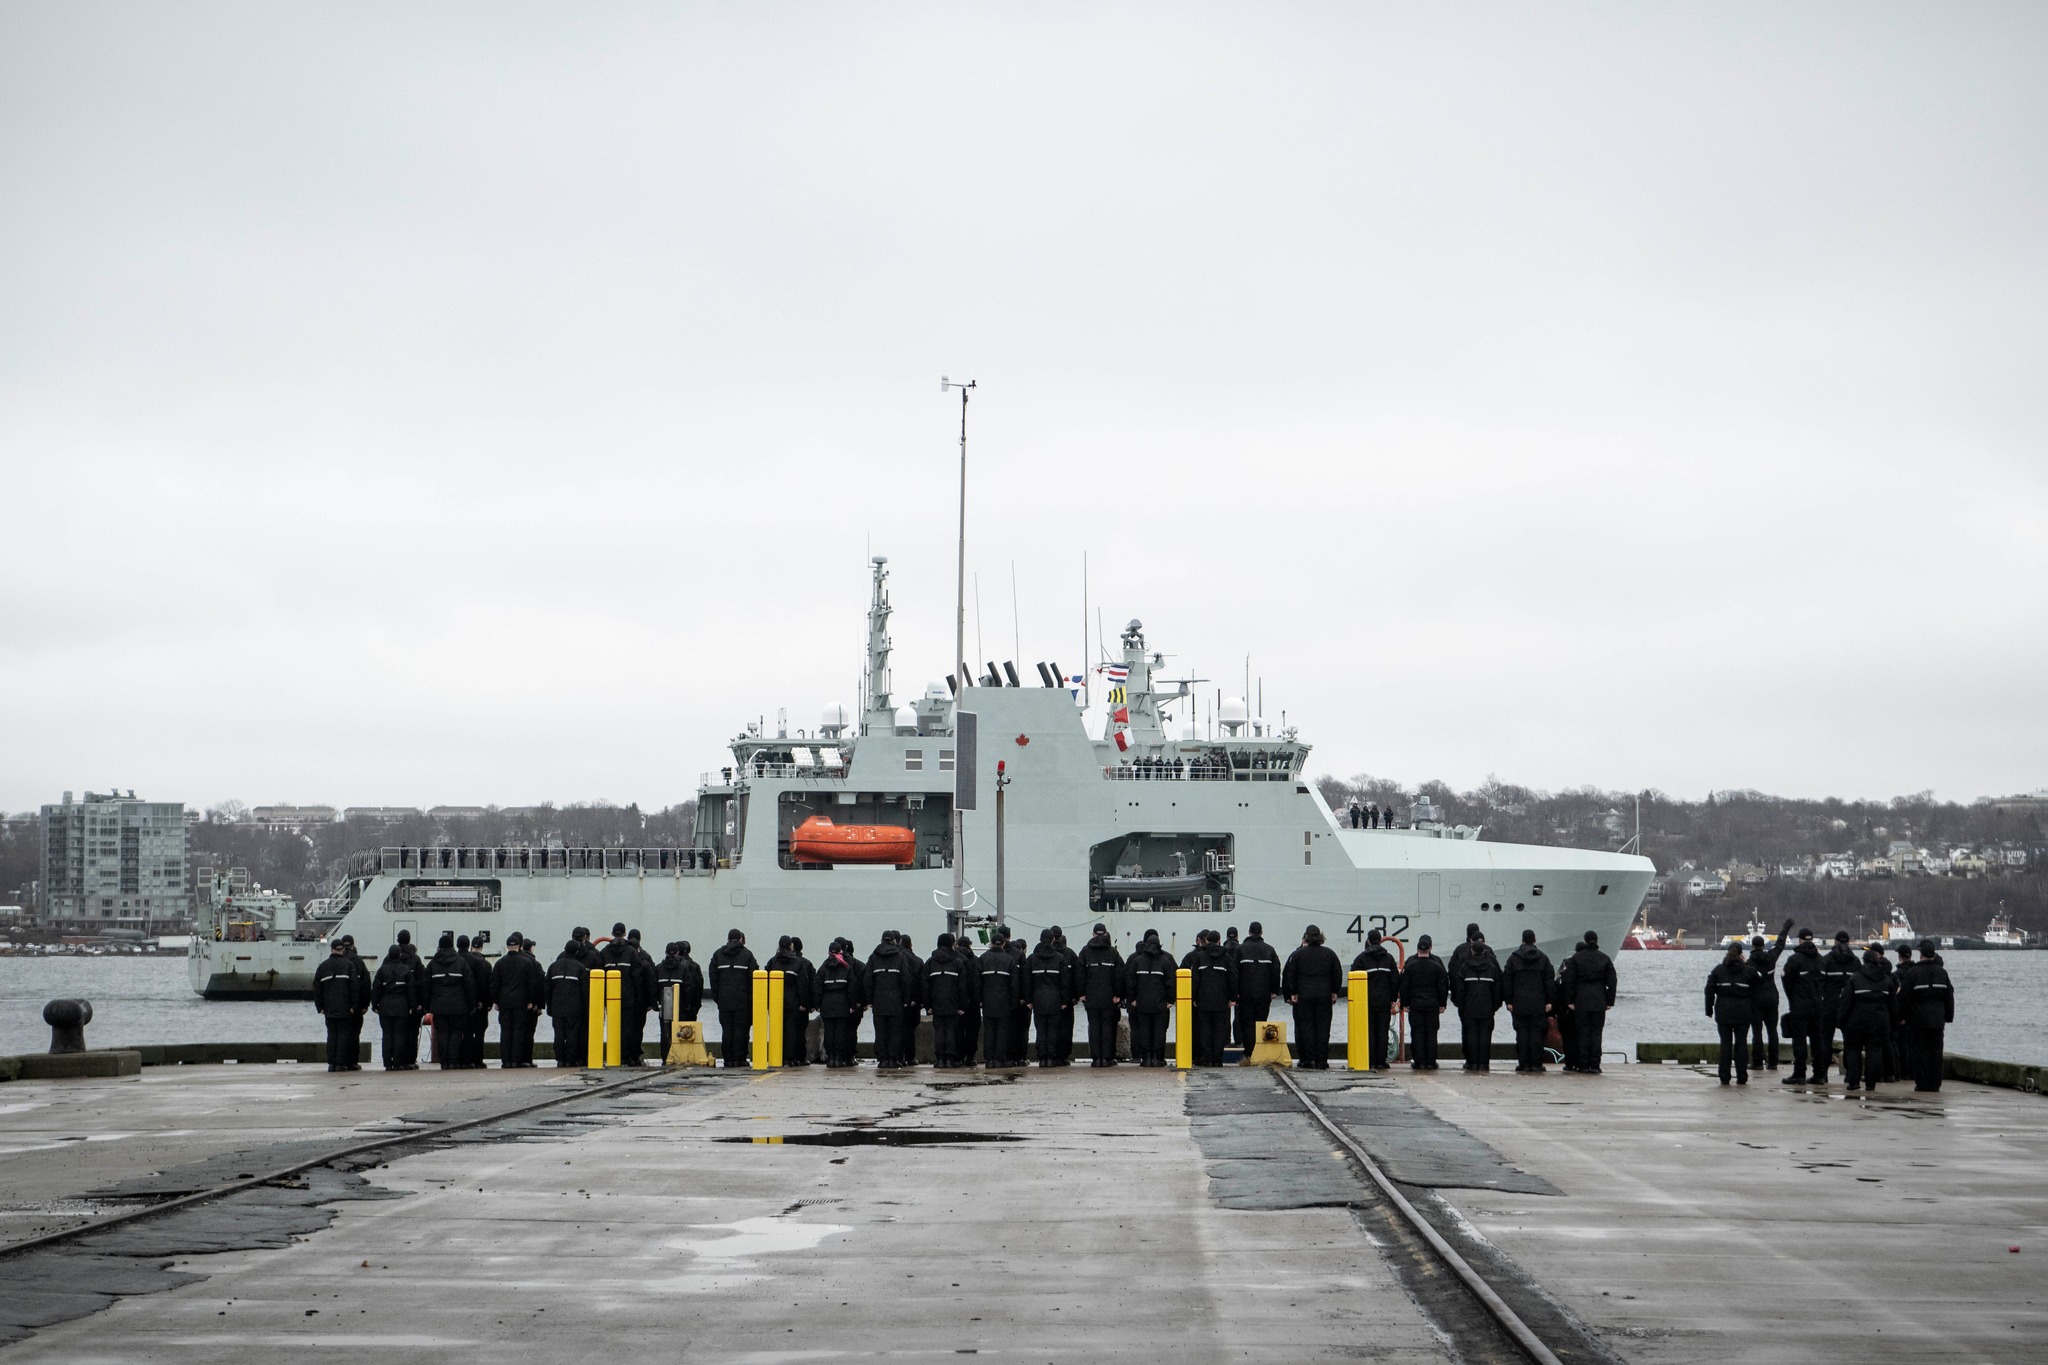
761	768
1166	772
627	862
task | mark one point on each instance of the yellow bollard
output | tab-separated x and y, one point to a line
777	983
757	1050
1184	1019
1358	1022
593	1033
614	1017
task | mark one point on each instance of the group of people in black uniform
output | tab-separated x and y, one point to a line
1891	1017
455	989
1369	816
1572	999
1014	999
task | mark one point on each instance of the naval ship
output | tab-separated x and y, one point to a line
847	831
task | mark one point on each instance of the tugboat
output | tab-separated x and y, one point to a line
1149	822
2000	934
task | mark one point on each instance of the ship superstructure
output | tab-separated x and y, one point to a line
249	943
1135	828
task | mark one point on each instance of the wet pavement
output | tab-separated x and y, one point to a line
1055	1216
1085	1231
1768	1223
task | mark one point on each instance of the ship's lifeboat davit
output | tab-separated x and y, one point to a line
818	840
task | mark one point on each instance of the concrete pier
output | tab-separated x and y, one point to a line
1055	1216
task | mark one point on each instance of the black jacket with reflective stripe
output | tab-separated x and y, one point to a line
732	977
1258	970
1149	979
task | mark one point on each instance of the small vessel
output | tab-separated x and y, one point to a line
1896	928
1742	940
1642	936
818	842
2000	934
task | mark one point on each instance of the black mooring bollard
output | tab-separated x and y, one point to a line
67	1020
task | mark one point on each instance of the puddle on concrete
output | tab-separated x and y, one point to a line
751	1237
874	1137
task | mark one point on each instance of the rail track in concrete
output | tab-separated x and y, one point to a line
341	1152
1507	1302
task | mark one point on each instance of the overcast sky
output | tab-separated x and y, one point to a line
497	403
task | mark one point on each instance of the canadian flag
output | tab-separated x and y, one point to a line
1122	715
1123	741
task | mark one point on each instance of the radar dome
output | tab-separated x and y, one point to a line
833	719
935	691
906	720
1233	714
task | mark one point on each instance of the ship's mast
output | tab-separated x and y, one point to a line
960	636
880	712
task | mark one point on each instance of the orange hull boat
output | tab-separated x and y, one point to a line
818	840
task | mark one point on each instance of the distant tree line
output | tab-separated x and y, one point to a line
1759	830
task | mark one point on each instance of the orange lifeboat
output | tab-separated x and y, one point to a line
818	840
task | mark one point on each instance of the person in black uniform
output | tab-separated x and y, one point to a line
945	987
1045	984
1865	1014
354	1047
638	970
1072	1007
1312	980
798	1052
970	998
586	951
669	977
890	980
479	1021
1258	981
1527	984
519	986
1020	1017
1101	969
1589	985
1149	990
1837	965
417	1018
796	1001
913	1002
395	993
1731	996
1425	990
568	1000
334	999
1929	1001
1900	1057
451	996
1381	972
1763	1009
732	987
1001	981
1800	978
838	985
1214	987
617	956
1476	991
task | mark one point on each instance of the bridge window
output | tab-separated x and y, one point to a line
913	760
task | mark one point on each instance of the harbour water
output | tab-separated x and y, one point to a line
148	1000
